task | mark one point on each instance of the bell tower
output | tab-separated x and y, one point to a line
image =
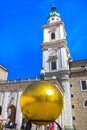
55	60
55	53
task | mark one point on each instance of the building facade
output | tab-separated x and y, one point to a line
58	65
78	90
56	60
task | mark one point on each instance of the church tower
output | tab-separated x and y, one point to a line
55	60
55	53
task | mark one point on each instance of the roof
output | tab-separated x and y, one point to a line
3	68
53	12
78	63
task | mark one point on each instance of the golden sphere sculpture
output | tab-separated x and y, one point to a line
41	102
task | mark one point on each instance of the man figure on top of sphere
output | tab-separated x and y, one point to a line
42	74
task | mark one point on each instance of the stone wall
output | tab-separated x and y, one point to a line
78	96
3	73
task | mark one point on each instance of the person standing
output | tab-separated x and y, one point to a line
42	74
15	125
28	125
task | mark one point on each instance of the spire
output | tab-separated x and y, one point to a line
53	12
53	8
53	16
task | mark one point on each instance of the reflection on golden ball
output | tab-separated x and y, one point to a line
41	101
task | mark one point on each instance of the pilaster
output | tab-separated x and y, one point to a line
18	111
1	99
45	59
5	104
15	99
63	58
67	104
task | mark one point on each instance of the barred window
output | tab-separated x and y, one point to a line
53	65
84	85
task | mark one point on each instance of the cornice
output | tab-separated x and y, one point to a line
54	42
78	73
58	73
52	24
78	63
59	43
3	68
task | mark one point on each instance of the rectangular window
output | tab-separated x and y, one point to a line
84	85
70	85
73	106
73	117
53	65
71	95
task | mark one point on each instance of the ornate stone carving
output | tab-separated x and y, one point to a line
53	58
52	29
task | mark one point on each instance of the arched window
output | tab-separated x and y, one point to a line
11	112
85	103
52	35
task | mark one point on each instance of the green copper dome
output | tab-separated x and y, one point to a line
53	12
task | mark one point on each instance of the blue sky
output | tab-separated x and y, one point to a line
21	33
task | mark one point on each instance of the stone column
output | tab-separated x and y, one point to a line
15	99
62	36
55	125
67	104
62	119
45	56
40	127
1	99
63	58
5	104
18	111
59	120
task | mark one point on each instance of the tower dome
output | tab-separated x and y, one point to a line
53	16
